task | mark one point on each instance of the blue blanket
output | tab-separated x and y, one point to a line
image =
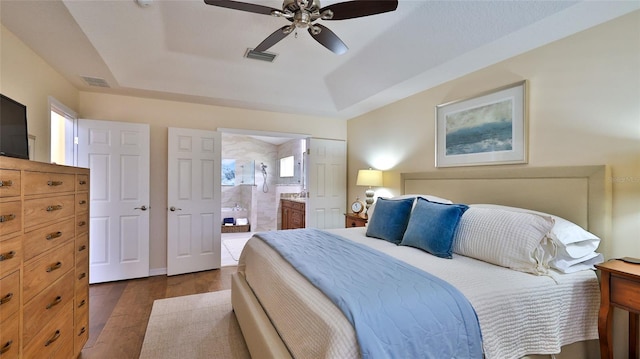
397	310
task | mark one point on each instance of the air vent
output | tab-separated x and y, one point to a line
262	56
95	81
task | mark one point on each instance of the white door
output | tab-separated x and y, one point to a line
117	154
193	213
327	179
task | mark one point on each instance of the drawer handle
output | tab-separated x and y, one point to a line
54	235
84	329
54	183
82	275
82	202
82	303
5	348
55	337
54	267
82	182
7	217
82	248
56	207
55	302
6	298
8	255
81	223
8	183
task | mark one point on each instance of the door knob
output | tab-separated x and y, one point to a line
144	208
173	209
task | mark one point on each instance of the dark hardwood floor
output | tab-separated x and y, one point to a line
119	311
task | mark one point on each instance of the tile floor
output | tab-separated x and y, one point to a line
232	244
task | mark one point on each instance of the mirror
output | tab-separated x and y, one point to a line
287	166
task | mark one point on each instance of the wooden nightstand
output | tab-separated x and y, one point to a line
354	220
619	287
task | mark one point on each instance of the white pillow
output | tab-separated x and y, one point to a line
511	239
573	241
425	196
565	265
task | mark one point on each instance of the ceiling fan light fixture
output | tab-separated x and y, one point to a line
326	15
285	14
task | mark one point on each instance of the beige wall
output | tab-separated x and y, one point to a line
26	78
584	95
162	114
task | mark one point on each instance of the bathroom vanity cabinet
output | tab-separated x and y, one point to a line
292	213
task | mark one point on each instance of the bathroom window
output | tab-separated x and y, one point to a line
287	166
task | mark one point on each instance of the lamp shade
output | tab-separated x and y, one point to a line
371	178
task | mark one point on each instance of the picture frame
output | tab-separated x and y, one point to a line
228	172
488	129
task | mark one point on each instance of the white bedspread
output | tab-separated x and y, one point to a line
519	313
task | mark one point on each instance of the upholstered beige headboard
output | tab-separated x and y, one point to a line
581	194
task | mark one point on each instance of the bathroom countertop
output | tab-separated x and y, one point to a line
300	200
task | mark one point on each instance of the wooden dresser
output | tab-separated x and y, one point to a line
44	259
293	214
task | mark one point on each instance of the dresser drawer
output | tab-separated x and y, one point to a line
9	296
46	305
82	223
10	255
10	338
54	336
82	248
44	239
9	183
625	292
41	272
45	182
44	210
10	218
82	183
81	328
82	202
82	278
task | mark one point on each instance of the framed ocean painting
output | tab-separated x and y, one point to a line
487	129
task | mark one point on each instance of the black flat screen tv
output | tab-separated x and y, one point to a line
14	139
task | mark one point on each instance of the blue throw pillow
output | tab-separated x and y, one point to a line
432	227
390	219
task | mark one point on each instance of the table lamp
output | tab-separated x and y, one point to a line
369	178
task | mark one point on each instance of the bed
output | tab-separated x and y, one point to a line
520	314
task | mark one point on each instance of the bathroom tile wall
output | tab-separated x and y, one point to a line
262	206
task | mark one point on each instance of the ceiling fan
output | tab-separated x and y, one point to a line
302	14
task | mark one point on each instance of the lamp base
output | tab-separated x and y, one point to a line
369	200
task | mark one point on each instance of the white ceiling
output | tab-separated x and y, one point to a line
186	50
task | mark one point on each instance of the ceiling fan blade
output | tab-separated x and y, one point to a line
329	40
359	8
237	5
273	39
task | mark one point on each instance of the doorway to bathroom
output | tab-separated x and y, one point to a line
252	184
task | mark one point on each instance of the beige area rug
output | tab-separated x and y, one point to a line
194	326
